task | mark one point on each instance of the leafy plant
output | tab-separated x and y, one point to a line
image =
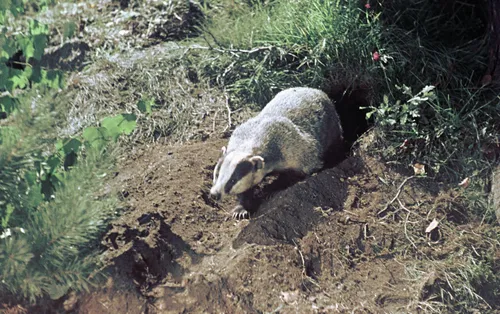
17	72
402	116
111	128
145	105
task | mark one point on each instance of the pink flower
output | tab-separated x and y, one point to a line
368	6
376	56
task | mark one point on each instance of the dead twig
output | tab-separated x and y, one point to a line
400	189
408	212
232	51
229	112
215	118
302	258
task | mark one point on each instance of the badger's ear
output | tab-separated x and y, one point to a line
223	150
258	162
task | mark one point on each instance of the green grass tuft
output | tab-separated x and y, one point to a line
268	47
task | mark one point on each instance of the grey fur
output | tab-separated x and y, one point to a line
292	132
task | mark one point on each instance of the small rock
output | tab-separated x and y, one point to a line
70	303
290	296
198	236
109	283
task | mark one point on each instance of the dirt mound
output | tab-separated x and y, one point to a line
153	251
291	213
110	300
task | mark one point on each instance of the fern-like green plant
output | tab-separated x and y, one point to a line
48	253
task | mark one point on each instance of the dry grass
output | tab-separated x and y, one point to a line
184	107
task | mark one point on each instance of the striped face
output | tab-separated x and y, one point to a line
235	173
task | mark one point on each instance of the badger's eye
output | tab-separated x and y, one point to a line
232	181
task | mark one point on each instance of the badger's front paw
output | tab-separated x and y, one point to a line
239	212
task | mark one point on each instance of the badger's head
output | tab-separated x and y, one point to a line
235	173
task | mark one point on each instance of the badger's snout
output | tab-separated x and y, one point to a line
215	194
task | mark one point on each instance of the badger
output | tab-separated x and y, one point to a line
292	133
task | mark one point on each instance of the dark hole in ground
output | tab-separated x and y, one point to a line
17	61
348	102
70	57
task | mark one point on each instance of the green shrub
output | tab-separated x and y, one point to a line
48	253
54	203
428	127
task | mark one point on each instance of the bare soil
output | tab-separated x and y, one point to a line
317	246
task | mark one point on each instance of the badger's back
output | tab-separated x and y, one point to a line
310	110
296	127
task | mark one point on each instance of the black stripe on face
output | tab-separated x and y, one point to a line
241	170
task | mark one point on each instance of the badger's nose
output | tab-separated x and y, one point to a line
215	195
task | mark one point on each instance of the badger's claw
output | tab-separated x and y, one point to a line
240	213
